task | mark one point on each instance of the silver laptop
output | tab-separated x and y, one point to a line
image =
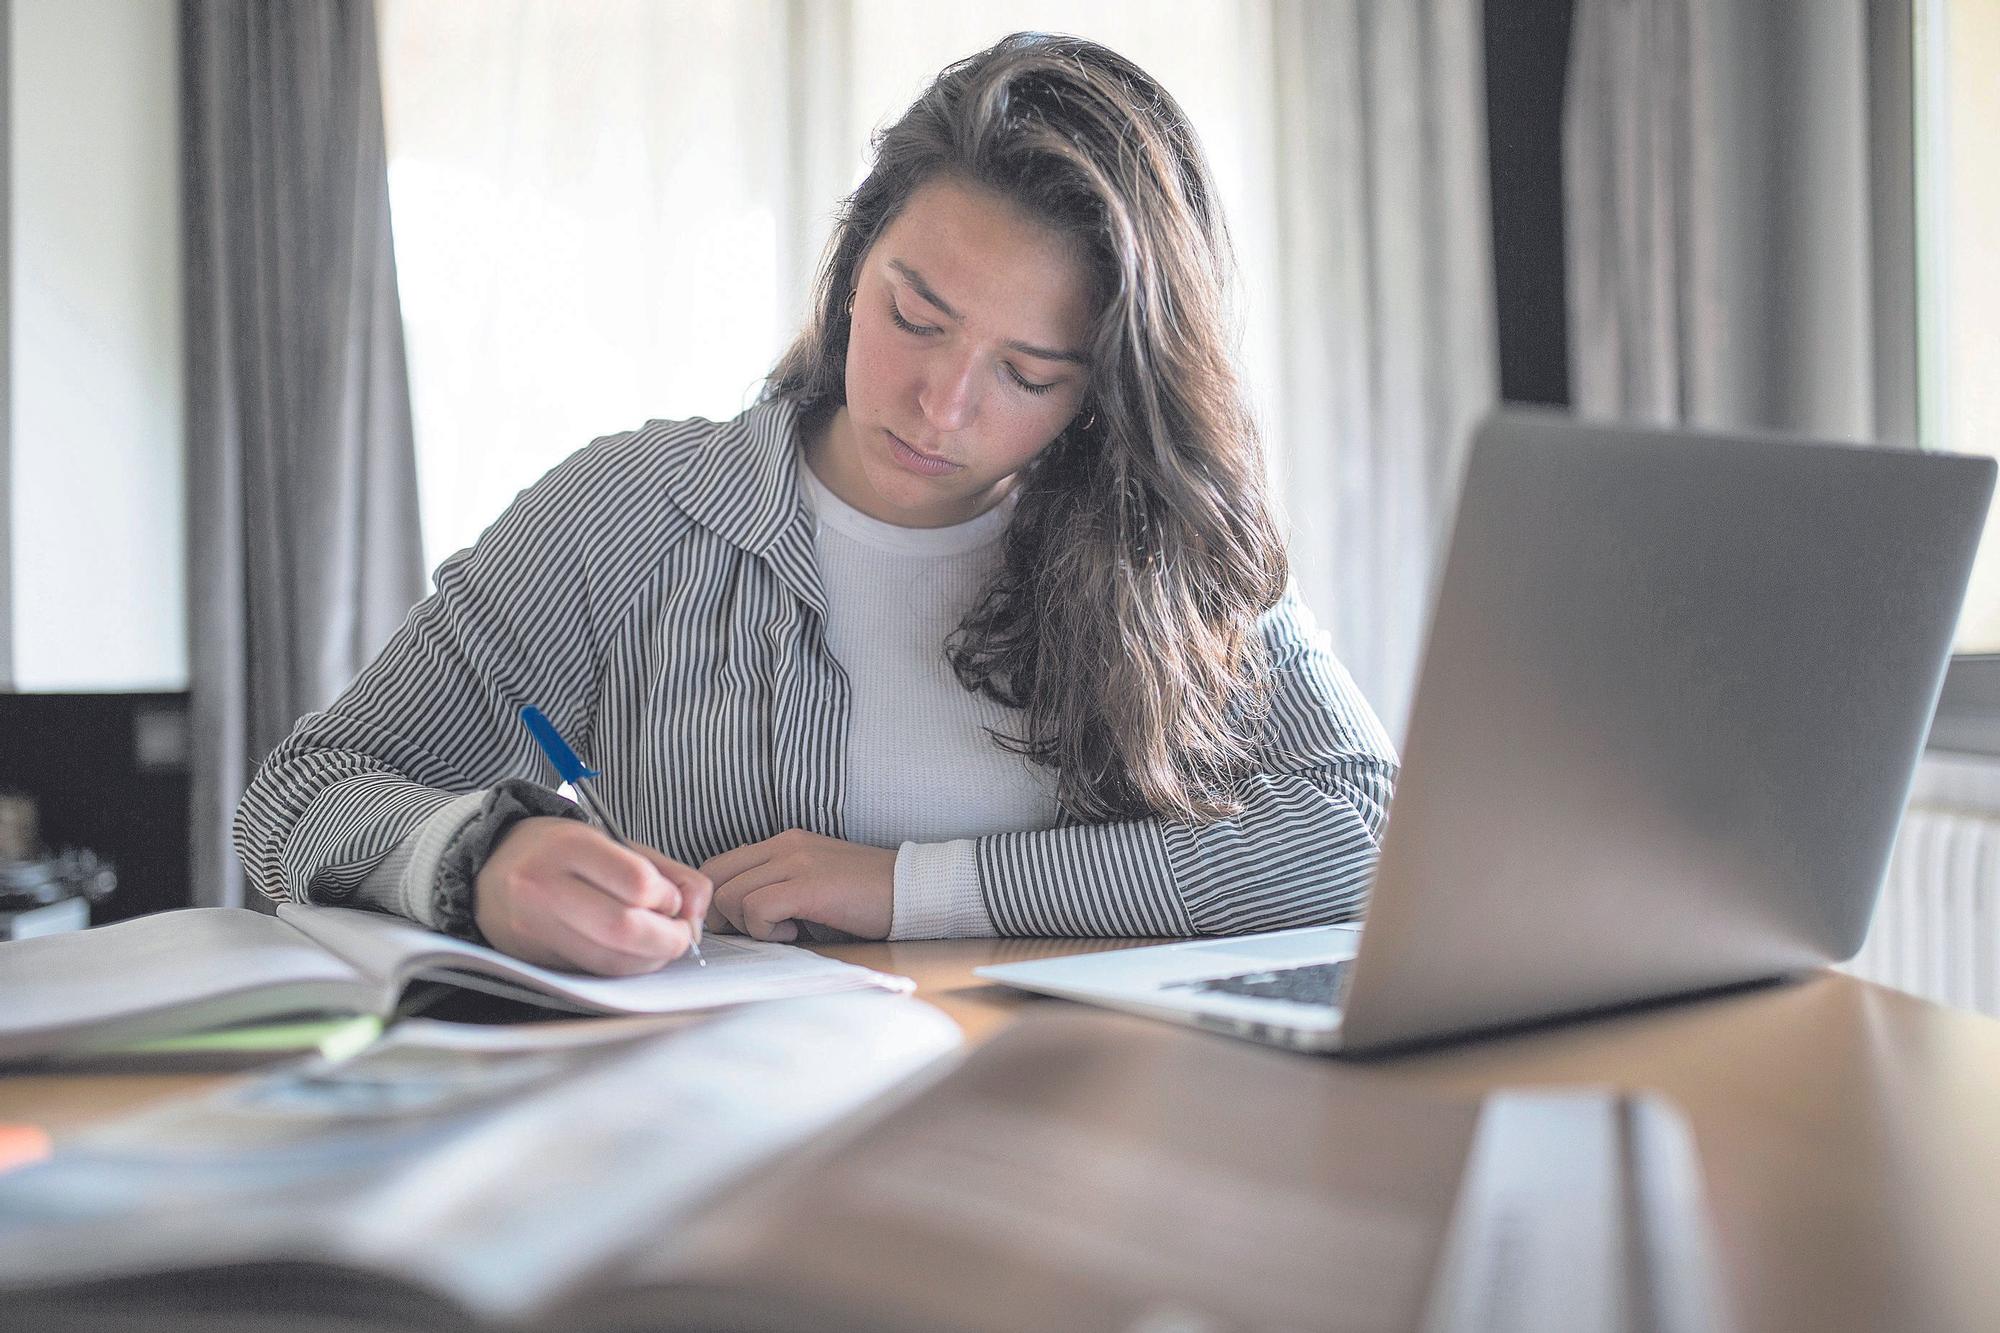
1673	696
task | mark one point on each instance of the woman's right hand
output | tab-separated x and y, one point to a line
559	893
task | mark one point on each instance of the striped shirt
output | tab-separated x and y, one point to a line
657	595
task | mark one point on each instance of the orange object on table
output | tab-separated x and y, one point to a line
21	1145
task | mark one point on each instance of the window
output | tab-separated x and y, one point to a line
1958	182
585	235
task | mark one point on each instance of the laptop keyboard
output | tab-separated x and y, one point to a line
1314	983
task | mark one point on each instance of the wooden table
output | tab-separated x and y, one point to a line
1849	1134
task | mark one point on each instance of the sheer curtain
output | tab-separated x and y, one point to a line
608	210
1388	310
587	201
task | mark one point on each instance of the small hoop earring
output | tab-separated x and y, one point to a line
851	292
1087	424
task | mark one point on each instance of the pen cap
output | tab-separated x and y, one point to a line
567	765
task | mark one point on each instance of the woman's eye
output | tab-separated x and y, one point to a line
1029	385
905	324
925	330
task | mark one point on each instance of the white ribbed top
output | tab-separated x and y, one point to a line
923	775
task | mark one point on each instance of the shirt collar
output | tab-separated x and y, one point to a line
743	484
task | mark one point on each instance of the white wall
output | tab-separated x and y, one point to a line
98	529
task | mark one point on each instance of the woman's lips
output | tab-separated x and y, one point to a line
924	465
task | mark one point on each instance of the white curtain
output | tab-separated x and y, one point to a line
587	201
611	209
1386	238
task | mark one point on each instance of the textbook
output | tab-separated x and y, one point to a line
451	1176
203	968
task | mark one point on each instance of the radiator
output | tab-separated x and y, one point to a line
1936	931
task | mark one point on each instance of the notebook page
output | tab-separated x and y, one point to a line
739	969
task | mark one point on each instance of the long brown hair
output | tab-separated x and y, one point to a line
1143	549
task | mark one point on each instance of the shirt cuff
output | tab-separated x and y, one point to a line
403	880
937	892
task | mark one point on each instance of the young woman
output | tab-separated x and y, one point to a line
976	624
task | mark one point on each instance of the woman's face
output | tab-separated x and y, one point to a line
965	358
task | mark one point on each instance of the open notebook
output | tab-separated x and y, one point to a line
207	967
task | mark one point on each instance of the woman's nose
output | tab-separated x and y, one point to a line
950	393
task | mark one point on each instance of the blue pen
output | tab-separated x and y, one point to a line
571	770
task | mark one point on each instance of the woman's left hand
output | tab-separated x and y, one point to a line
766	888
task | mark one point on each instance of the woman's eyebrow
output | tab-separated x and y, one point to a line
923	289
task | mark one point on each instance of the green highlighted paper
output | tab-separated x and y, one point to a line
243	1045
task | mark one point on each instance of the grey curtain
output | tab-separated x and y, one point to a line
1385	243
304	543
1740	215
